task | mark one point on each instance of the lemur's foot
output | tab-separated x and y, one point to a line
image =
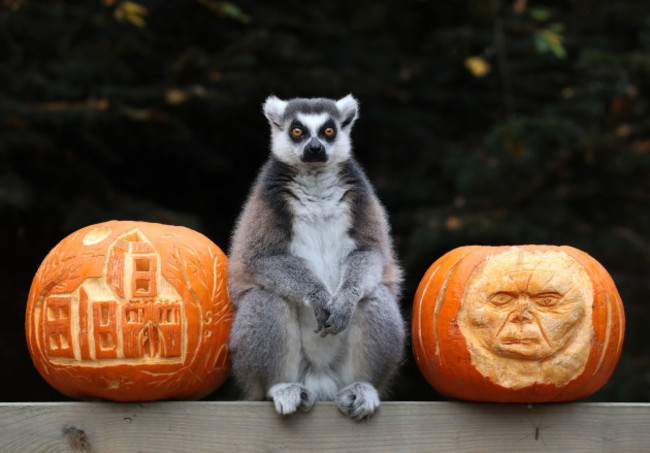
288	397
358	401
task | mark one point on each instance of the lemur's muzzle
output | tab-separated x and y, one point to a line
314	151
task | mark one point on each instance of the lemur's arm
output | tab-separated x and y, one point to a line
290	277
362	273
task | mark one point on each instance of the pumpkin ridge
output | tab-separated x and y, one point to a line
423	313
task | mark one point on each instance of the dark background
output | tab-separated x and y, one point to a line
482	122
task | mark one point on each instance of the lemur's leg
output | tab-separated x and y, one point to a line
376	351
265	348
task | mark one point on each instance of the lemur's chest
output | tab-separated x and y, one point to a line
321	224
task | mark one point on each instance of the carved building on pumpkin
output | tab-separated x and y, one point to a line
130	312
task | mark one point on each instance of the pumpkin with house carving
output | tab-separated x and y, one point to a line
131	311
517	324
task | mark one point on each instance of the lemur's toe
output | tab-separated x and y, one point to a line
288	397
307	399
358	401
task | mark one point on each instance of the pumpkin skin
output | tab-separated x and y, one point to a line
520	324
131	311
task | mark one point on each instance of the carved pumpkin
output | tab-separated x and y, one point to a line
517	324
131	311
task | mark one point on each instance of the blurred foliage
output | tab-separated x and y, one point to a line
482	122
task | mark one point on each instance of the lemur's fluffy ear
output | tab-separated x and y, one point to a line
274	110
349	108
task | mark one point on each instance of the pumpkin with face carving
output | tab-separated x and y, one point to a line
517	324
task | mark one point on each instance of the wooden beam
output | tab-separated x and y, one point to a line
241	427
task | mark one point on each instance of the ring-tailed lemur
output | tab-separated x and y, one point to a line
312	275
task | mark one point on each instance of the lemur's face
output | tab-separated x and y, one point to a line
311	131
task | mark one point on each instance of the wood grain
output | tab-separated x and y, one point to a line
252	427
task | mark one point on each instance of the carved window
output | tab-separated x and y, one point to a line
144	276
105	328
134	315
57	326
169	315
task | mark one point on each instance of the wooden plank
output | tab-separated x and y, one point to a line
251	427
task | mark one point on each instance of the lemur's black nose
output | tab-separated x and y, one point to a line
314	151
315	145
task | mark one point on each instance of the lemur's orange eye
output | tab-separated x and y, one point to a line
296	132
329	131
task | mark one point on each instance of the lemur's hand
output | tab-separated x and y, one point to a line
340	307
319	302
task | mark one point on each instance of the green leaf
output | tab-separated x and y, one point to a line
226	9
549	41
540	14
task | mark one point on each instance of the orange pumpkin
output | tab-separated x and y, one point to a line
131	311
529	323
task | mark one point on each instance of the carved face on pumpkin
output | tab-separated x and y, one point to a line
521	309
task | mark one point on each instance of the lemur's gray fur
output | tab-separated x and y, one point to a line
312	274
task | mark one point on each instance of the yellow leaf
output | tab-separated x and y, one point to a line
552	37
132	12
453	223
174	96
567	93
477	66
549	40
